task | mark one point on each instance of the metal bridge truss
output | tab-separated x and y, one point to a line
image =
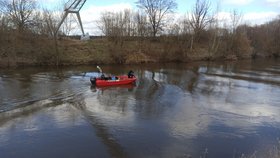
73	6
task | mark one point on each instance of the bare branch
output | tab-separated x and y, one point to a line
156	11
19	11
200	17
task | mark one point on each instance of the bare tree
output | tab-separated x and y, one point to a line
3	22
121	24
111	24
141	24
68	25
214	31
19	11
235	19
265	38
233	38
200	17
104	23
276	38
185	26
50	23
157	11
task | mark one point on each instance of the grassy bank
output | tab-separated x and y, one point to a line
27	50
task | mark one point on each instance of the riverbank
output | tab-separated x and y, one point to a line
42	51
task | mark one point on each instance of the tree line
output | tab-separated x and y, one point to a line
27	29
201	28
151	28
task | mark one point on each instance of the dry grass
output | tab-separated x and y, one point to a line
36	50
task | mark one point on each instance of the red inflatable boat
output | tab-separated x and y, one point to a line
112	81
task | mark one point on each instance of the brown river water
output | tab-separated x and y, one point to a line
203	109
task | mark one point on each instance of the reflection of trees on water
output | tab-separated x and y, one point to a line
225	80
183	77
118	98
235	90
147	94
157	89
252	71
31	84
31	88
160	89
208	93
25	91
29	109
12	118
208	86
102	131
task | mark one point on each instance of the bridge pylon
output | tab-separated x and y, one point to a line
74	7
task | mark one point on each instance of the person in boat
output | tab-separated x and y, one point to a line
102	76
114	78
130	74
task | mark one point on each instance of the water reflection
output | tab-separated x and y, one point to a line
174	110
101	130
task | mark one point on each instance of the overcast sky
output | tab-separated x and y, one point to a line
253	11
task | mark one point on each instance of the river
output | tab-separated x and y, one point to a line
201	109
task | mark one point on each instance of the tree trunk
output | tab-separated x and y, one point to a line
56	51
191	46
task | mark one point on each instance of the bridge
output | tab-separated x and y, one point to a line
73	6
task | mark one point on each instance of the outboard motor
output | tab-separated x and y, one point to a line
93	80
130	74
